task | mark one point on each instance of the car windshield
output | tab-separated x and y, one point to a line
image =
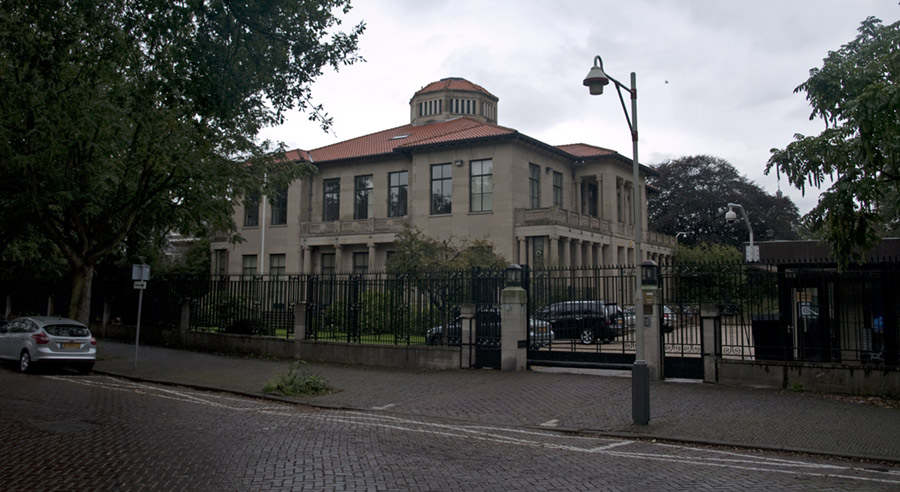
67	330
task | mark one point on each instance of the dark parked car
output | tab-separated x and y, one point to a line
670	319
588	321
488	325
42	340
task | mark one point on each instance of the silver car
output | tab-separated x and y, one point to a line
39	339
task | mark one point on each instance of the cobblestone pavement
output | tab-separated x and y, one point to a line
70	432
686	412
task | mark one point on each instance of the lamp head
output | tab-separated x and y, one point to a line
596	78
730	216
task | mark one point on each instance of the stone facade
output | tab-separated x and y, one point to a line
451	172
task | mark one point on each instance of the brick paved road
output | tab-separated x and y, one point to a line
68	432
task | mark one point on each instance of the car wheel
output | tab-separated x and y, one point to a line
668	328
24	361
434	340
587	336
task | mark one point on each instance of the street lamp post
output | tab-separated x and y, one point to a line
752	253
640	374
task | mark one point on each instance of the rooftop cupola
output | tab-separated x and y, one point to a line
450	98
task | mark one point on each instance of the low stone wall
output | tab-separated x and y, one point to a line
235	344
396	356
826	378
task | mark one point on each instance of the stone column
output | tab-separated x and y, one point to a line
653	348
577	260
299	328
523	251
566	252
553	260
513	335
307	260
467	334
338	259
711	339
371	263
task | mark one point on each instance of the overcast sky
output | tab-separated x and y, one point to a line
714	76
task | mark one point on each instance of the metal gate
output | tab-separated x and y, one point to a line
571	302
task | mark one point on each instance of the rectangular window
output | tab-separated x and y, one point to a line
557	189
248	265
534	186
361	262
328	266
221	262
398	183
441	188
251	210
592	199
279	206
362	201
276	264
619	215
331	199
481	185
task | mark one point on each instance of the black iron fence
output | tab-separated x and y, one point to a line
809	314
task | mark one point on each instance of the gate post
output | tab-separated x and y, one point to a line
185	322
711	338
513	322
654	351
467	323
299	328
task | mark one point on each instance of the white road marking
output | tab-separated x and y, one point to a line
510	436
551	423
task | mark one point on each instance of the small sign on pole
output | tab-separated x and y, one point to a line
140	274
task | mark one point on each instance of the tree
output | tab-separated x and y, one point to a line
417	252
692	196
856	93
133	118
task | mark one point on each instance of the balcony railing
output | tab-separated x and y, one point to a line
568	218
365	226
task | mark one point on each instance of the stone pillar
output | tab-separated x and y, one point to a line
653	349
566	252
553	261
577	260
338	259
523	251
467	334
513	334
299	328
371	263
185	321
577	196
307	260
711	339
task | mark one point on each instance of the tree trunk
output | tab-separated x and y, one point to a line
80	304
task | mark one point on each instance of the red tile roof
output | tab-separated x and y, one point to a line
388	141
585	150
453	84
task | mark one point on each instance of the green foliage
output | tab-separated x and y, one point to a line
707	253
692	196
417	252
373	312
298	382
123	121
856	93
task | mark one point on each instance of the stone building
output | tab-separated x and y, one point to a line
452	171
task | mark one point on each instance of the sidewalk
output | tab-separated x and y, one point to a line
687	412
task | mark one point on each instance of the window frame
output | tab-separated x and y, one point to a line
534	186
331	199
398	193
279	203
251	203
442	202
557	189
481	185
363	189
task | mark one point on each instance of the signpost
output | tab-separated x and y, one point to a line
140	274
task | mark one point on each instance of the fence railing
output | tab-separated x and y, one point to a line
812	315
